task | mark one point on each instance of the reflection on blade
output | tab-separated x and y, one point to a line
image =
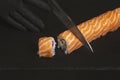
79	35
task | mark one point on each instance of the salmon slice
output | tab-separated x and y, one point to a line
91	29
46	46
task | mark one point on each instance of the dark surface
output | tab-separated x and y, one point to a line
18	50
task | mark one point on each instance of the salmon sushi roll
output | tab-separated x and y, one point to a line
91	29
46	46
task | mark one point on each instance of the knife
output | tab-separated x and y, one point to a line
67	21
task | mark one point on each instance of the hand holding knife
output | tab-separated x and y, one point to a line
17	14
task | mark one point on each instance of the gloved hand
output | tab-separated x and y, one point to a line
20	16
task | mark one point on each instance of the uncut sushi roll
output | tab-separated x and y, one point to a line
91	29
46	46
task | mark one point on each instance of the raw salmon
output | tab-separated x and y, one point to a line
91	29
46	47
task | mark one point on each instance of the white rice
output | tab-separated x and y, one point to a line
53	47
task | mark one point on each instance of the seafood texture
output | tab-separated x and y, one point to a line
46	47
91	29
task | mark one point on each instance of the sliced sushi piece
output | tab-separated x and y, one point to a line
91	29
46	46
67	41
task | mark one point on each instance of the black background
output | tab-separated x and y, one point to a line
18	50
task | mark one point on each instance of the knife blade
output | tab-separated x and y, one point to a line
67	21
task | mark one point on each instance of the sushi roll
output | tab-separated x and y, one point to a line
67	41
46	46
91	29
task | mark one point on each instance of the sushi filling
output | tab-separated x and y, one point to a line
53	47
62	44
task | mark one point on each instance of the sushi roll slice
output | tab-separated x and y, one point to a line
91	29
68	42
46	46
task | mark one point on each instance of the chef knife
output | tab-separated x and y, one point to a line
67	21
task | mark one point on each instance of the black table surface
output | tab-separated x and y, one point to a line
18	50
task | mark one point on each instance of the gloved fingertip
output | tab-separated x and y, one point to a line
42	25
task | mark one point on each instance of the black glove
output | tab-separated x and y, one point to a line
17	13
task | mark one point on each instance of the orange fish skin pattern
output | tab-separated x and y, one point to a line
45	47
93	29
